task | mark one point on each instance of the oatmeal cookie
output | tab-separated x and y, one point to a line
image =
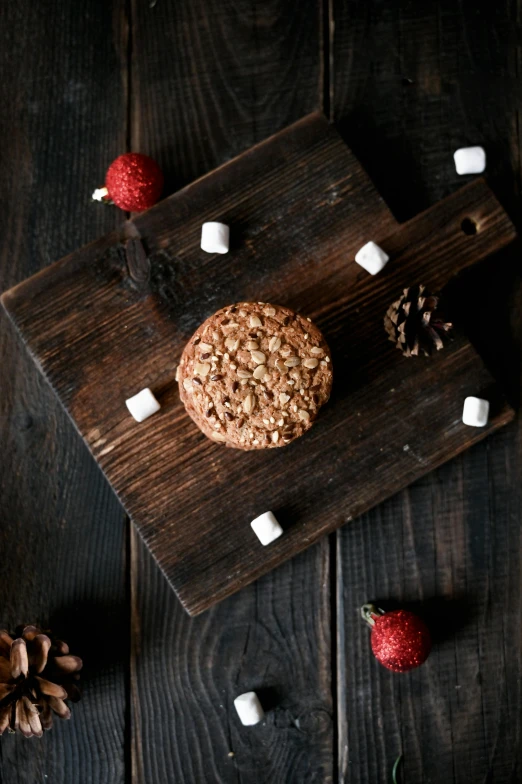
254	375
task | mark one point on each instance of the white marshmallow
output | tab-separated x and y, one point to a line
142	405
215	237
470	160
476	412
100	194
266	528
249	708
372	258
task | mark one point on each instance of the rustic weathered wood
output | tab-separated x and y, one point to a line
210	81
202	92
62	535
98	339
273	637
413	83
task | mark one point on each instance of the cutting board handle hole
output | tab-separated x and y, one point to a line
469	227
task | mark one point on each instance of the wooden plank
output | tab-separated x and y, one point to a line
440	549
245	74
126	332
62	536
450	545
210	81
84	352
272	637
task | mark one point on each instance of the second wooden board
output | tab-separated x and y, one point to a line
110	320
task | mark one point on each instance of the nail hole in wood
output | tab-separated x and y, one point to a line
469	227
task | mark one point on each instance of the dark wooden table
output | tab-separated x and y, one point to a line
193	83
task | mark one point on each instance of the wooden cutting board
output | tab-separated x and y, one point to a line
111	319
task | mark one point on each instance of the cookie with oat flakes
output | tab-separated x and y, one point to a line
254	375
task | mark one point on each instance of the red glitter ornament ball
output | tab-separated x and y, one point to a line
400	640
134	182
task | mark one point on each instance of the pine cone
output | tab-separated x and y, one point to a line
36	675
414	324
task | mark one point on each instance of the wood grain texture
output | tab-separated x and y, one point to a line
62	532
274	638
193	109
209	80
129	338
440	549
413	83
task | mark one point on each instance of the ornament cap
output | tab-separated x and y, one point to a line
370	613
100	194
